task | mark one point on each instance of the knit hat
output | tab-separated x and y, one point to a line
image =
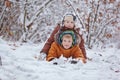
67	32
69	17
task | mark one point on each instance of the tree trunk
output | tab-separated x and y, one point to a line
0	61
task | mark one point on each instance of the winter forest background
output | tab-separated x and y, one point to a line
25	25
32	20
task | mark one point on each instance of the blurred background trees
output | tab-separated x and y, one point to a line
33	20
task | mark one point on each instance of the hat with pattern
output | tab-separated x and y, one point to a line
70	32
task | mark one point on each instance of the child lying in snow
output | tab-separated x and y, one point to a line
66	44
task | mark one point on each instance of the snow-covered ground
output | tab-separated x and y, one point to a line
19	63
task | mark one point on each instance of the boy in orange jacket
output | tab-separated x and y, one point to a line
66	44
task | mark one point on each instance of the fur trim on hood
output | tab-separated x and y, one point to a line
75	36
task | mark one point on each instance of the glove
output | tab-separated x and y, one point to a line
54	61
42	56
74	62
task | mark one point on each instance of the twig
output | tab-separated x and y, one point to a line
40	10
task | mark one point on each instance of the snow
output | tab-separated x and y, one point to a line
19	62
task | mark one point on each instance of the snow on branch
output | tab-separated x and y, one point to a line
83	26
41	9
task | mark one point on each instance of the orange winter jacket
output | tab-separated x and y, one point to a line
57	50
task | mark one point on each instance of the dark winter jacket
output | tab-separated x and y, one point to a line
51	39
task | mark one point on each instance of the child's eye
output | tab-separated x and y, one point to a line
69	41
67	21
72	22
64	40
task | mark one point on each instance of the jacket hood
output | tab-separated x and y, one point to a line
60	34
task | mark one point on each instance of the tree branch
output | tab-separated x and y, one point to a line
40	10
76	14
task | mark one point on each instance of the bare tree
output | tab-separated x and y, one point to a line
95	18
33	20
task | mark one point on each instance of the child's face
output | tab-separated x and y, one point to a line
67	42
69	23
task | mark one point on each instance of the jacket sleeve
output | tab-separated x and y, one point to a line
82	47
81	44
52	52
50	40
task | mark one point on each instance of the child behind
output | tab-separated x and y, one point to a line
66	44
